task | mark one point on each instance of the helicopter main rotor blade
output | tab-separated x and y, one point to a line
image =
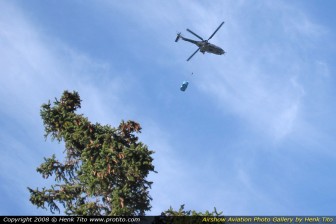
216	30
194	34
193	54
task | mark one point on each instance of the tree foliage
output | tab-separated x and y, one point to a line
183	212
183	216
105	168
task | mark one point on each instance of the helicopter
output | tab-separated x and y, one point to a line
203	45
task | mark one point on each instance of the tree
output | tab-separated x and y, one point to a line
104	171
183	216
183	212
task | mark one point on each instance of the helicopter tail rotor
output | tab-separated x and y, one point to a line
178	37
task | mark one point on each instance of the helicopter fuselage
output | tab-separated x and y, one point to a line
205	46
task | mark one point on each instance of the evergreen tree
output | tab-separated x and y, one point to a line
104	171
183	216
183	212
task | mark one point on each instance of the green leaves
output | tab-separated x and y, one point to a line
105	168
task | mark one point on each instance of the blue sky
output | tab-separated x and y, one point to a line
252	135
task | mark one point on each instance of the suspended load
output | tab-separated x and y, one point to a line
184	86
